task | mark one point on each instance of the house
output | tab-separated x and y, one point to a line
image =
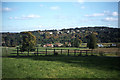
59	32
48	45
77	30
100	45
73	31
50	32
113	45
58	45
44	45
69	44
41	32
68	31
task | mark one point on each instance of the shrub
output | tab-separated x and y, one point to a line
56	53
101	53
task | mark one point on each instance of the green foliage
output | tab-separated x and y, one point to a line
76	42
29	41
92	41
104	35
101	53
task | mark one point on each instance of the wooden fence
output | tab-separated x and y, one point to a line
68	52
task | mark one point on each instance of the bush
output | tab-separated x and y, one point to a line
101	53
79	54
118	53
56	53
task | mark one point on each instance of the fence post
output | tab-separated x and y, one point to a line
74	52
68	52
86	53
80	52
46	51
17	51
91	53
61	51
37	51
54	51
28	52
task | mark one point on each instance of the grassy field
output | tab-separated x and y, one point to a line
60	66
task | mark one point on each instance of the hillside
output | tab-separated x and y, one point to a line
104	35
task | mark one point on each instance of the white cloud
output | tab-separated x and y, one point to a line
6	9
41	5
10	17
54	8
32	16
115	13
81	1
82	7
88	20
39	26
109	24
110	19
95	15
16	18
108	13
61	17
105	13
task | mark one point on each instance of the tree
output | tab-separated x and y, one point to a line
29	41
76	42
7	41
92	41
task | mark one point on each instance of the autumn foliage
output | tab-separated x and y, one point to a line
28	41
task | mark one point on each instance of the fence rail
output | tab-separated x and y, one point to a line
61	51
68	52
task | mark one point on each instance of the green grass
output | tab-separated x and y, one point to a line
61	67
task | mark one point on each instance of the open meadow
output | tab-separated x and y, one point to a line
60	40
60	66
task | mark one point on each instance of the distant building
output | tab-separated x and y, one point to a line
59	32
68	31
50	32
113	45
69	44
58	45
41	32
83	30
72	31
48	45
100	45
77	30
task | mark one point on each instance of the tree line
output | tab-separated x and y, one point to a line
29	42
72	35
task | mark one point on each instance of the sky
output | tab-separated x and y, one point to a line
30	16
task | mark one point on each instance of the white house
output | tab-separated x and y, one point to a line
100	45
113	45
50	32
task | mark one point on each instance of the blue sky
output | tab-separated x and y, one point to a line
25	16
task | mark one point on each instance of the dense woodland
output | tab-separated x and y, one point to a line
103	34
